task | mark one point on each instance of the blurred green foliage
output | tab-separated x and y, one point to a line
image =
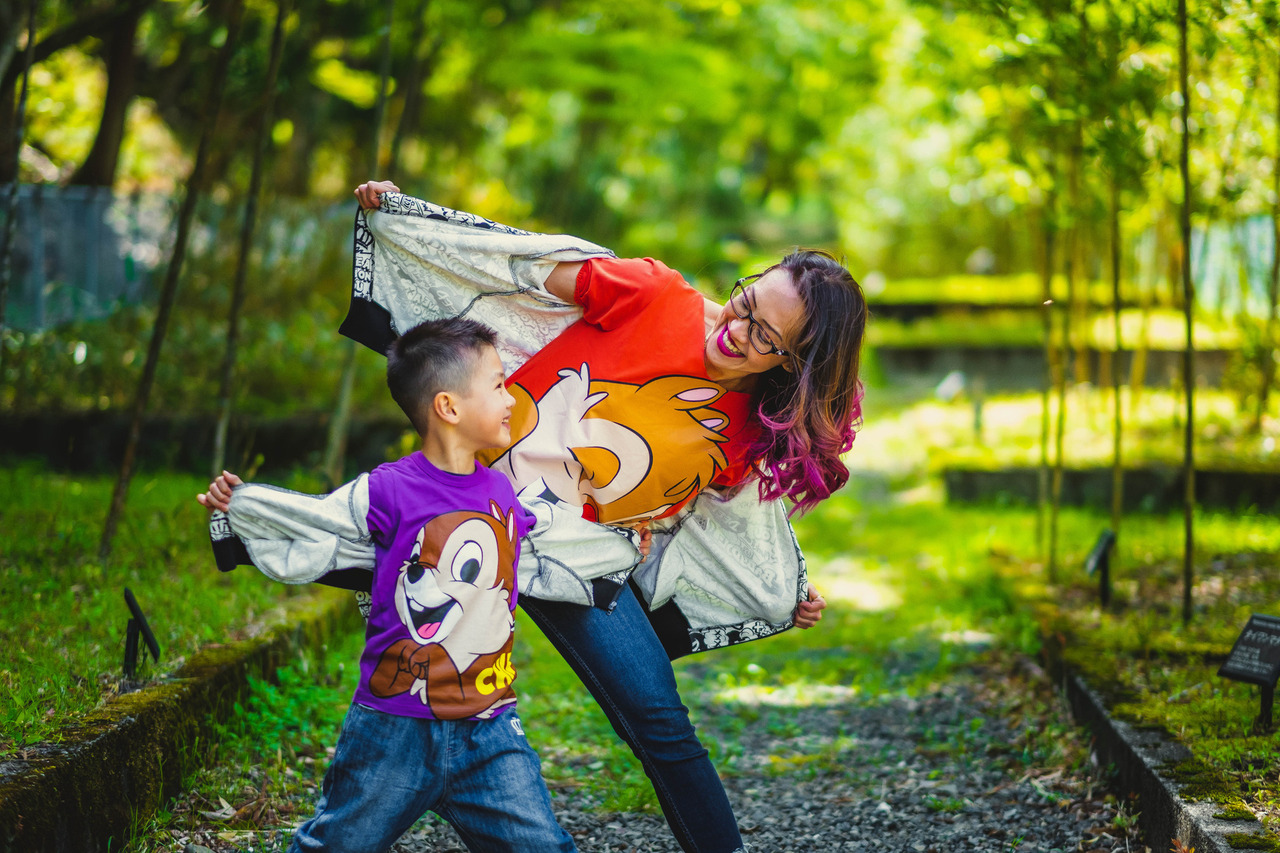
913	138
702	131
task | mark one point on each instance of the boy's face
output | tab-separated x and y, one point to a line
485	405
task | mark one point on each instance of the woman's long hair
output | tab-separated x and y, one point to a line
809	416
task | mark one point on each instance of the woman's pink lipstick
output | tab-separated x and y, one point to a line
724	347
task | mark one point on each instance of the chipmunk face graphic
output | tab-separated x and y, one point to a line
470	573
454	595
623	452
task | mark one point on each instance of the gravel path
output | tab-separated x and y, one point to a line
930	775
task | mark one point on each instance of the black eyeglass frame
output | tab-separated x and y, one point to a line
752	322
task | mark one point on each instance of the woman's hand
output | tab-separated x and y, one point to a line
219	494
809	613
646	542
369	194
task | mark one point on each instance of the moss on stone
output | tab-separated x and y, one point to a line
1235	811
1099	667
1249	841
1197	780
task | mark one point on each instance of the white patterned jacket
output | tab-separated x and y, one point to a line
726	569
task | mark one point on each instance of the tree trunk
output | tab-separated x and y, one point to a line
1070	258
99	167
1269	341
169	289
1148	298
1188	308
1081	292
11	213
336	446
1117	467
94	23
10	28
412	88
1051	366
335	450
261	136
10	149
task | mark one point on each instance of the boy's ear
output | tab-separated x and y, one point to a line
445	407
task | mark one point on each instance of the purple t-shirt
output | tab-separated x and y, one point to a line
438	641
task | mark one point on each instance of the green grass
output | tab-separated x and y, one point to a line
1156	671
907	607
63	615
1153	670
1022	288
915	441
1162	329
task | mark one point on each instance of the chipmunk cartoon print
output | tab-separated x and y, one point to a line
462	565
618	435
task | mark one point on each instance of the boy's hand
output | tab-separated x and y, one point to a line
809	613
369	194
219	494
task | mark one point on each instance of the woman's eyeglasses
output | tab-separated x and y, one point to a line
756	333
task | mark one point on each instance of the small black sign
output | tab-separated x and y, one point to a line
137	626
1100	556
1255	657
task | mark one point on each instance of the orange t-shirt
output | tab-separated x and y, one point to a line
616	414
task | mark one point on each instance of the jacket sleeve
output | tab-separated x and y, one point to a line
727	570
297	538
565	557
417	261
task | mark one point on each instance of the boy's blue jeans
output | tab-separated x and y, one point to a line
621	661
387	771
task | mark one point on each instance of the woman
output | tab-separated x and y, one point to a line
653	396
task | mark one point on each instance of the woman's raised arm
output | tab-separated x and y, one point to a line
563	281
369	193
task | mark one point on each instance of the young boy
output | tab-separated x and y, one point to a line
433	724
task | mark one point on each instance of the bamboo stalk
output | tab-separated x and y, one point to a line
168	293
336	446
262	134
1117	467
1188	300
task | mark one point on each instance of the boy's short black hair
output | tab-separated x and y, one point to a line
434	356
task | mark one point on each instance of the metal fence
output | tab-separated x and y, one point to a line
81	252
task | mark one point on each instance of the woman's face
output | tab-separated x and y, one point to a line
774	303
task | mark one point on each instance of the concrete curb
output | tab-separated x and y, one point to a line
125	759
1138	756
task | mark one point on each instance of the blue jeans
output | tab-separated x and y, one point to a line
387	771
621	661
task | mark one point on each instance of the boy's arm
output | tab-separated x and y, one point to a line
291	537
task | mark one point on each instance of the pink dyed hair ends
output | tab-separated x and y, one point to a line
809	418
806	469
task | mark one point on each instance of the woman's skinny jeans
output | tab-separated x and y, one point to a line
622	662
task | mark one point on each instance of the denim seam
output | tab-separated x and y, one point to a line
640	751
471	842
446	777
